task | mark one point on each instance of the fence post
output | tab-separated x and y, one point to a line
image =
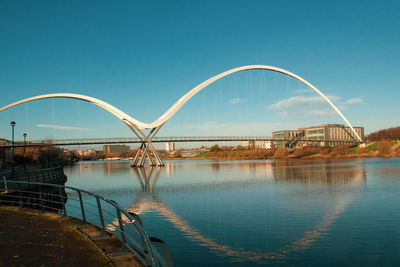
121	226
62	202
41	198
103	231
21	204
82	207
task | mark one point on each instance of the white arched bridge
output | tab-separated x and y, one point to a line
147	149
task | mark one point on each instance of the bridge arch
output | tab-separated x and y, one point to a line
173	109
133	123
104	105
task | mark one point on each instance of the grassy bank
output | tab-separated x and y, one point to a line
375	149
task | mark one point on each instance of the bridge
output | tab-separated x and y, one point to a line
146	150
177	139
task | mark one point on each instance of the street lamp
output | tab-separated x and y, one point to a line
13	123
25	135
12	126
24	151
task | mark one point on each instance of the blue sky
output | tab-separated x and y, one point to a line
142	56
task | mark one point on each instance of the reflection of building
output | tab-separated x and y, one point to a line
325	172
335	132
115	148
170	168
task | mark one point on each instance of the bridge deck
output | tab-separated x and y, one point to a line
130	140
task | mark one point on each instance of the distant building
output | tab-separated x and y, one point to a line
115	148
262	144
170	146
256	144
329	134
90	152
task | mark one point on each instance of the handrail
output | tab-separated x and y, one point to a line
91	208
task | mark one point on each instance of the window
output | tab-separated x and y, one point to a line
317	131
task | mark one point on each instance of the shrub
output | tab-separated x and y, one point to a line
215	148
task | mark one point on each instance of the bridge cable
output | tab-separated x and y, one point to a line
26	118
78	114
53	118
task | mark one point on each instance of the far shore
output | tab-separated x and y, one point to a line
282	153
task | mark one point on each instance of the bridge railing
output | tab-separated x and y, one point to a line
89	208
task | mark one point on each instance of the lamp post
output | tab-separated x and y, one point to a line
25	135
12	126
24	151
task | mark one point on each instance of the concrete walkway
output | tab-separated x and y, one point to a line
30	238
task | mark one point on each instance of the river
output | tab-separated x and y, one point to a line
341	212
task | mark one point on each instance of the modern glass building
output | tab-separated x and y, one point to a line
321	135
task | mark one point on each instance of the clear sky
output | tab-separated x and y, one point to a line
142	56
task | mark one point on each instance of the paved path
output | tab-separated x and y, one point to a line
29	238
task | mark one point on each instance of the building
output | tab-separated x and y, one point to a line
256	144
328	134
115	148
170	146
289	138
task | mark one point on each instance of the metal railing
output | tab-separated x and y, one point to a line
89	208
53	175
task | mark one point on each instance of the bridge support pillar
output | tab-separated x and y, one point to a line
146	150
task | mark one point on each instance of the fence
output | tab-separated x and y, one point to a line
51	176
89	208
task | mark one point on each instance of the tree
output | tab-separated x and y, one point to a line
385	134
215	148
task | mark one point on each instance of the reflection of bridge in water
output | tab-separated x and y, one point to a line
351	175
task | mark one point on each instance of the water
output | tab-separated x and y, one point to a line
244	213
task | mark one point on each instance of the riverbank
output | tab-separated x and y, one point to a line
376	149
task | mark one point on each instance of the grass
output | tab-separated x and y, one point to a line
353	149
235	154
372	147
